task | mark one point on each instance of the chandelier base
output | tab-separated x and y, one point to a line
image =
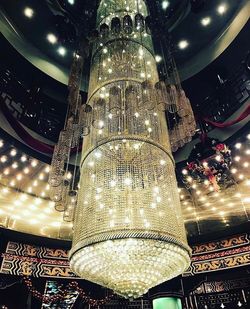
131	266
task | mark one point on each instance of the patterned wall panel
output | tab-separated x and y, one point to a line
23	259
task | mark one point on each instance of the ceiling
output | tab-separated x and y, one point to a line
197	30
26	207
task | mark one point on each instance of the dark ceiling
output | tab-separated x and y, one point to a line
194	25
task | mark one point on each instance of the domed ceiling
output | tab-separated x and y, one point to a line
197	30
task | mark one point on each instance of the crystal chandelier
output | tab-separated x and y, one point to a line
129	234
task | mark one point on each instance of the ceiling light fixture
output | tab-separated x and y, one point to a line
72	2
205	21
61	51
51	38
183	44
222	9
28	12
165	4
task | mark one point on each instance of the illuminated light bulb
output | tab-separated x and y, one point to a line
13	152
205	164
6	171
69	175
206	182
241	176
41	176
26	170
3	159
127	181
205	21
184	172
246	164
100	132
91	163
136	115
214	208
162	162
35	183
47	187
248	182
30	190
194	186
112	183
189	179
127	221
47	169
14	165
5	190
234	170
1	143
248	151
98	154
110	116
23	158
237	158
12	183
198	192
158	199
146	122
183	44
221	9
51	38
153	205
28	12
19	177
61	51
218	158
222	213
34	163
110	71
238	145
43	194
158	58
105	50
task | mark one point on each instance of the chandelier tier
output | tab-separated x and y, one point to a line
129	234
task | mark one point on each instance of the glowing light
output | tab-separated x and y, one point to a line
28	12
158	58
183	44
13	152
205	21
165	4
61	51
222	9
51	38
238	145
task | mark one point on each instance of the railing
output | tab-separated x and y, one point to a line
229	96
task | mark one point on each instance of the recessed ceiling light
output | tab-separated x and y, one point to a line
158	58
183	44
61	51
28	12
71	2
222	9
165	4
51	38
205	21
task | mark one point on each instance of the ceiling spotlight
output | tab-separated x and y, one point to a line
205	21
28	12
158	58
221	9
72	2
183	44
51	38
61	51
238	145
165	4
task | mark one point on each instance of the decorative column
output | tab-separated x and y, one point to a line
129	234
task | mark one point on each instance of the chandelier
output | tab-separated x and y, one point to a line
128	234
